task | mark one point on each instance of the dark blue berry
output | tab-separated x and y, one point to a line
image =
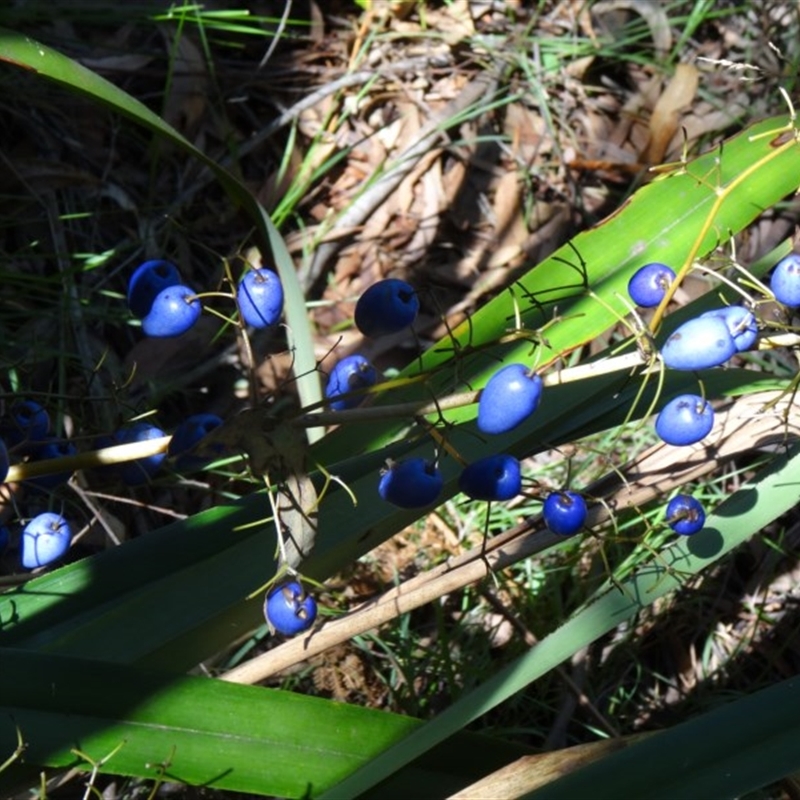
44	539
28	422
4	462
349	375
260	297
685	514
564	512
45	450
700	343
5	538
685	420
785	281
388	306
741	324
135	473
147	282
648	285
187	435
289	609
509	398
411	483
174	310
491	478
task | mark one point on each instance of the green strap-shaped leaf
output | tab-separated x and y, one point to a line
732	523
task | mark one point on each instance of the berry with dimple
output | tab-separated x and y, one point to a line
135	473
491	478
700	343
686	419
411	483
289	609
187	435
44	451
685	514
648	285
564	512
44	539
349	375
508	399
260	297
388	306
741	324
28	422
147	282
174	310
785	281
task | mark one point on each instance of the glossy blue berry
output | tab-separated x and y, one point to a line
700	343
411	483
564	512
44	451
147	282
45	539
27	422
648	285
785	281
388	306
685	514
187	435
174	310
289	609
741	324
135	473
686	419
349	375
260	297
491	478
509	398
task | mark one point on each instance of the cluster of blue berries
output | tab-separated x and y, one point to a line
510	396
26	433
167	307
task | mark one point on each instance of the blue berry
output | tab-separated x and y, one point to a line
564	512
685	420
174	310
648	285
147	282
48	449
685	514
260	297
4	462
289	609
411	483
44	539
785	281
187	435
741	325
388	306
5	538
135	473
509	398
349	375
491	478
700	343
28	422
